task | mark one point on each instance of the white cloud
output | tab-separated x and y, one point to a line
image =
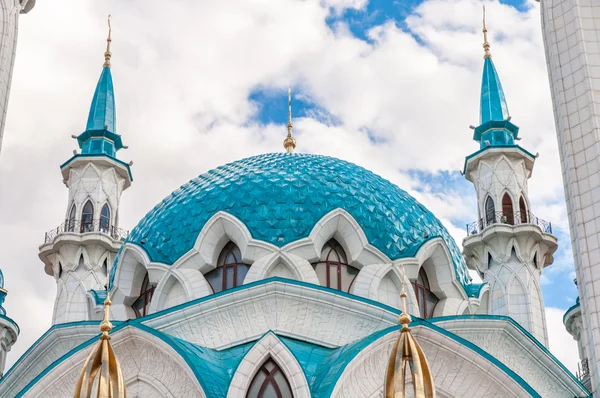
562	344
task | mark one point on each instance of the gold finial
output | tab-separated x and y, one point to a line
102	364
486	44
290	142
108	54
407	351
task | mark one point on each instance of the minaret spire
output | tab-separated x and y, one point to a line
290	142
486	44
407	354
108	54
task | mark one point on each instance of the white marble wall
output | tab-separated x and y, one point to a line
571	30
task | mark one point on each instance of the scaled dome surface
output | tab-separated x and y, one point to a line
280	197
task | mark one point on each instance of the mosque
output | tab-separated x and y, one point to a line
293	275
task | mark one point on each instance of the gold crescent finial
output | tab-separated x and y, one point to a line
486	44
108	54
290	142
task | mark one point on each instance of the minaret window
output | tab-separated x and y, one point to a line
142	304
490	211
333	269
270	382
71	220
508	215
230	271
87	217
523	211
425	297
105	219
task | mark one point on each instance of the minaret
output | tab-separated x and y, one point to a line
9	331
507	245
9	20
80	252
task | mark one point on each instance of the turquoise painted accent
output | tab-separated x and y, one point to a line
576	305
493	104
1	279
518	326
91	155
474	289
99	296
280	197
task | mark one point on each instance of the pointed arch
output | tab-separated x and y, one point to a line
490	211
524	215
333	269
87	217
426	299
508	213
105	219
141	305
230	270
71	219
269	382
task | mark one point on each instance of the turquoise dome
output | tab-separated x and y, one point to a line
280	197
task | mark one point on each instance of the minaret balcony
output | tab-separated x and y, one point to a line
499	218
86	227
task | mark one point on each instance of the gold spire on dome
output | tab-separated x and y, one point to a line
407	354
486	44
102	369
108	54
290	142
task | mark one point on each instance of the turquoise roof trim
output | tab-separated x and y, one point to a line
102	114
487	148
99	296
493	104
280	198
573	307
92	155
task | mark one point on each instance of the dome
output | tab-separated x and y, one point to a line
280	197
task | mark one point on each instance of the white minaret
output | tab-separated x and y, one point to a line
507	245
80	252
9	331
9	25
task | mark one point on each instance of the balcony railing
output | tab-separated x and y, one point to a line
583	369
82	227
500	218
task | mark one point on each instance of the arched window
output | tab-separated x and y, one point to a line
490	211
507	210
269	382
230	271
142	304
71	219
105	219
425	297
333	269
523	211
87	217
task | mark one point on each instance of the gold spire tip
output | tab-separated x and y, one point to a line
290	142
108	54
486	44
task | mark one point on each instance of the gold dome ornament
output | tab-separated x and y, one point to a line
407	354
290	142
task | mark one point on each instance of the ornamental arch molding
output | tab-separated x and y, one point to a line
300	268
268	346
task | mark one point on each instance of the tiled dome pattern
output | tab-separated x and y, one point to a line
280	197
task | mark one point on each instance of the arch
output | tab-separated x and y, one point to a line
333	269
269	381
269	346
230	270
87	217
426	299
490	211
141	306
269	265
508	214
70	227
524	215
105	219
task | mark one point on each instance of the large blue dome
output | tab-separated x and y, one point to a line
280	197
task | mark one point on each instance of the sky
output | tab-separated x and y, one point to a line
391	85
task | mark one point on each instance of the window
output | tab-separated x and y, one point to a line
507	210
71	220
523	211
230	271
490	212
142	304
425	297
87	217
105	219
269	382
333	269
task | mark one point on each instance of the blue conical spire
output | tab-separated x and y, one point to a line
493	104
100	136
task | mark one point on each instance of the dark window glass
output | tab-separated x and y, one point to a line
87	217
269	382
142	304
333	269
507	210
523	210
425	297
71	220
490	211
230	271
105	219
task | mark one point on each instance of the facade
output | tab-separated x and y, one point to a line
294	275
9	22
570	30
